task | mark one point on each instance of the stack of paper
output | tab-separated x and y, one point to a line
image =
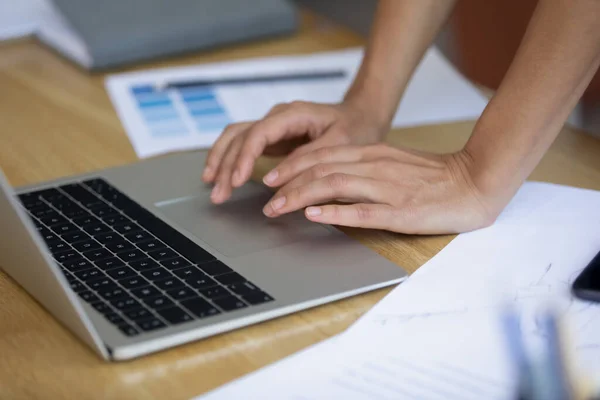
160	120
438	335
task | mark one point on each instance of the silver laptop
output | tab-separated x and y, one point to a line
136	259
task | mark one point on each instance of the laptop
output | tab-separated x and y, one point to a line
136	259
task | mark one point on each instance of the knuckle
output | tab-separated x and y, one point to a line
319	171
324	154
337	181
298	104
364	213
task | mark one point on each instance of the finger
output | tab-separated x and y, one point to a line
222	189
215	155
290	168
295	121
330	188
373	216
326	140
319	171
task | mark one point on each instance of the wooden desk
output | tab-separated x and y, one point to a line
57	120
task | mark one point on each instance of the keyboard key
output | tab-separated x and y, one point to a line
69	255
138	314
151	324
31	201
85	220
104	211
81	195
112	293
78	265
88	275
62	229
133	282
175	263
229	303
215	268
146	292
158	302
200	308
57	247
150	245
50	195
98	254
137	237
174	315
76	237
109	263
163	254
131	255
201	283
120	245
87	245
257	298
214	292
228	279
121	273
50	237
77	286
127	227
52	220
156	274
108	238
128	330
144	264
114	318
115	219
103	284
182	293
73	211
189	272
169	283
243	288
43	211
102	307
125	303
97	229
88	296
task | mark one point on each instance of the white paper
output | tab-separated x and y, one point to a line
436	94
20	17
438	335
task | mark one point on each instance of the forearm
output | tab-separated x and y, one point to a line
402	31
554	64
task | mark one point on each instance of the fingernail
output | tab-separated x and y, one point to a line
206	173
313	211
237	177
215	192
270	177
278	203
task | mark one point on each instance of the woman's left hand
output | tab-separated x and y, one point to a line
384	188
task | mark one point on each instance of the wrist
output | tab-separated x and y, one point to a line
366	108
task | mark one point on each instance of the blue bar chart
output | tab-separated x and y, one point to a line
180	112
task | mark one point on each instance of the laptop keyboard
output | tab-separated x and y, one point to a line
132	267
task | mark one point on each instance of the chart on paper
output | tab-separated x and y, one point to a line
184	108
180	112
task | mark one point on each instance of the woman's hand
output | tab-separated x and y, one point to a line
387	188
299	127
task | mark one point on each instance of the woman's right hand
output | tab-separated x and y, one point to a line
295	129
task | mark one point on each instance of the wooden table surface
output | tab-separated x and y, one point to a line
57	120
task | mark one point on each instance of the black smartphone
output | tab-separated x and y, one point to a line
587	284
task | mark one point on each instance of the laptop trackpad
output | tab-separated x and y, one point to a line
239	227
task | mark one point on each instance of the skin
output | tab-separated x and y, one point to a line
340	172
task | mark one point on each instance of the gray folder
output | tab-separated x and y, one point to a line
117	32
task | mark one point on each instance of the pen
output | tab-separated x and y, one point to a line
300	76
